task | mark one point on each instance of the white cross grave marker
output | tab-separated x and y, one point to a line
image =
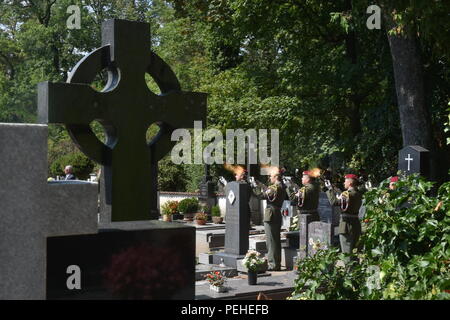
409	159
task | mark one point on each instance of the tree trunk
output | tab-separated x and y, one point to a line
415	118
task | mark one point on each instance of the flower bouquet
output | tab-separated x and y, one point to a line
216	281
200	218
252	261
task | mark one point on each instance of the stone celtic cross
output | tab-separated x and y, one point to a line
126	108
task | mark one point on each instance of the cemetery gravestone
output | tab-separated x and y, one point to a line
33	210
414	159
329	222
321	236
304	223
126	108
207	195
51	244
255	203
237	222
327	212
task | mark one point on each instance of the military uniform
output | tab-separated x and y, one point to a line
275	195
308	201
349	225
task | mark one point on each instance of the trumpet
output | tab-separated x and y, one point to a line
291	184
257	184
332	187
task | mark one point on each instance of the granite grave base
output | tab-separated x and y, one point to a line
228	259
124	260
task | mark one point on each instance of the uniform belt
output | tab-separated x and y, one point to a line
307	211
346	215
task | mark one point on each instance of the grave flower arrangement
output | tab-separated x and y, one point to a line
216	281
168	209
188	207
216	278
253	260
201	218
173	205
215	214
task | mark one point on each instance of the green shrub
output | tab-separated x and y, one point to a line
215	211
405	250
169	207
189	205
82	166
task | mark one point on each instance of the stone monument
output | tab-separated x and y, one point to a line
33	210
329	222
51	244
237	225
207	195
126	108
414	159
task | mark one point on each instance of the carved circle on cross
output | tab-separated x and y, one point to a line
85	71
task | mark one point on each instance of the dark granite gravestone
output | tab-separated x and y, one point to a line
321	233
237	222
125	260
130	259
327	212
126	108
254	202
207	195
304	222
329	216
414	159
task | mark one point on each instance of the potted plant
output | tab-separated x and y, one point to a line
252	261
215	214
200	218
188	207
166	211
174	207
216	281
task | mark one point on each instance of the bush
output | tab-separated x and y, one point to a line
405	249
171	177
82	165
215	211
169	207
201	216
325	277
189	205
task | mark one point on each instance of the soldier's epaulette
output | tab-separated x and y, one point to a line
345	194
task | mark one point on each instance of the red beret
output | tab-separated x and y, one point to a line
394	179
351	176
307	172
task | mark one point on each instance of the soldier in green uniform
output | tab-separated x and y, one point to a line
307	198
275	195
350	201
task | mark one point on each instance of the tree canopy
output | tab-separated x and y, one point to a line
311	69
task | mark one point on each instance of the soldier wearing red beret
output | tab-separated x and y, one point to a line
307	197
350	201
392	182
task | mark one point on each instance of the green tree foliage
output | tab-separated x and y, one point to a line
82	166
311	69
